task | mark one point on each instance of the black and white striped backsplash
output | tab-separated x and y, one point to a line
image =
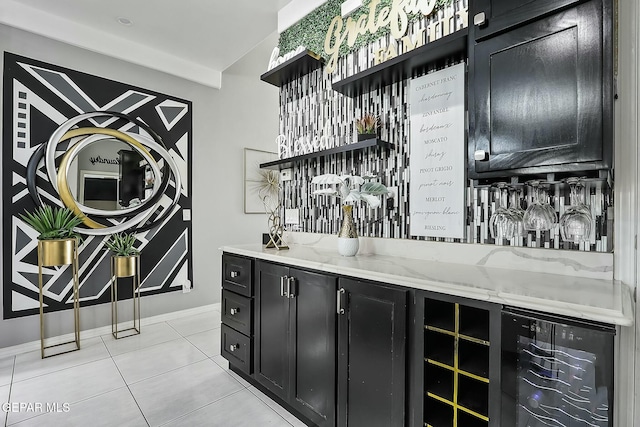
310	108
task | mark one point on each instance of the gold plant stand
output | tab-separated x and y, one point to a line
125	266
54	253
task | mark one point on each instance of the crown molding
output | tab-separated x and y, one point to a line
84	36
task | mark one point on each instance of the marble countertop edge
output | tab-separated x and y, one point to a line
621	314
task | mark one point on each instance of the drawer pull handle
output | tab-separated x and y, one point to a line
235	274
234	311
234	347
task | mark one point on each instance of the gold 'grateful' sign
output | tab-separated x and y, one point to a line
396	16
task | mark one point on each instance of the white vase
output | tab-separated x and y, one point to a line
348	246
348	243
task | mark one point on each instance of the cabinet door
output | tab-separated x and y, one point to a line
313	351
541	96
371	355
500	15
271	329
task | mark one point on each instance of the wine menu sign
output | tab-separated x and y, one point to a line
436	199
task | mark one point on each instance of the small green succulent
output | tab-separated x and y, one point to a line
53	223
121	244
367	124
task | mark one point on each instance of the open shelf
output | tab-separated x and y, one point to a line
474	323
402	66
348	148
301	64
440	314
439	347
473	395
437	413
473	358
438	381
468	420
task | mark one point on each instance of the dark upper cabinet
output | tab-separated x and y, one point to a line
295	350
371	355
493	16
540	97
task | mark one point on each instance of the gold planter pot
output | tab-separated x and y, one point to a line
121	267
56	252
125	266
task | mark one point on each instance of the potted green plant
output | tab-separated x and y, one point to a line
123	253
58	237
351	189
367	127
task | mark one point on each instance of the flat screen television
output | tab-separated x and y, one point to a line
100	188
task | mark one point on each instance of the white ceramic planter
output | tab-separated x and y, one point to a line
348	246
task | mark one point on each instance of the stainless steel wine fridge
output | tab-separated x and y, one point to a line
555	372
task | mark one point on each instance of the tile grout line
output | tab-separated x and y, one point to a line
131	393
267	405
166	372
65	369
201	407
13	370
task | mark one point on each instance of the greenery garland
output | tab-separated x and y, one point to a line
311	30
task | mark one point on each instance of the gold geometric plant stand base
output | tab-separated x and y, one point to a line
54	253
125	266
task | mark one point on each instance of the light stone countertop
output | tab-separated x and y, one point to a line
599	300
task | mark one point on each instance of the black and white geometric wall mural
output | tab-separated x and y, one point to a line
110	118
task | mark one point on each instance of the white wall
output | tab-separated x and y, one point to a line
243	114
627	208
295	11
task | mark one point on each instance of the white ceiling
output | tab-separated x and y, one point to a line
193	39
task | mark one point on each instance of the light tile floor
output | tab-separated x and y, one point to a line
171	374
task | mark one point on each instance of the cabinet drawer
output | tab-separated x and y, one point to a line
236	348
237	312
237	274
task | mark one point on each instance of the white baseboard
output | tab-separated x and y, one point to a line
105	330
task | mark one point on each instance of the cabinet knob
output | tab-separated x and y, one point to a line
234	311
235	274
234	347
480	19
481	155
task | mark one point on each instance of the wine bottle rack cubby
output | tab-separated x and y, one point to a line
456	371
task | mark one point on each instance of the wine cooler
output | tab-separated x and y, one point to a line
555	372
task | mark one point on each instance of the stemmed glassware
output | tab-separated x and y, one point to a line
502	223
575	224
540	215
517	213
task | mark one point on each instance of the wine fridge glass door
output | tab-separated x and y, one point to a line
556	372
